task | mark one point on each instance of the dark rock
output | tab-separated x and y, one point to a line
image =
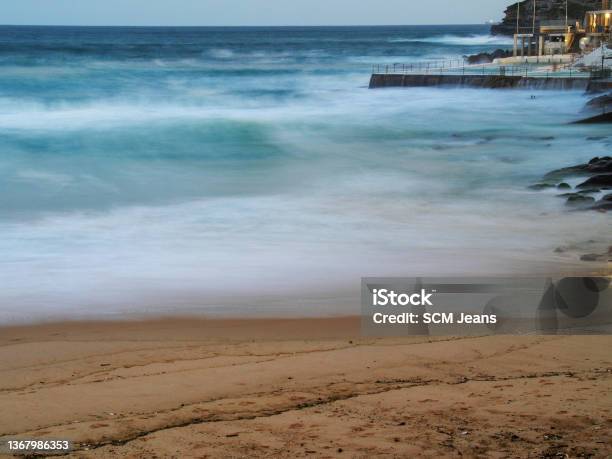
600	165
570	195
579	200
541	186
581	193
560	174
602	206
602	118
593	257
600	102
487	58
600	171
596	159
480	58
603	180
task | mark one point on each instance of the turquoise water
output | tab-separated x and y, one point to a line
250	170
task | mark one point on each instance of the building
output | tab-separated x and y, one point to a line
557	37
598	25
569	36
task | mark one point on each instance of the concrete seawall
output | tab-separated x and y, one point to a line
394	80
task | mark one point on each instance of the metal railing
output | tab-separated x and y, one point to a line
536	69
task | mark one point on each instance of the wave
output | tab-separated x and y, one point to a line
458	40
210	253
221	53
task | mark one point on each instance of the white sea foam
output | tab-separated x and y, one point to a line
248	254
459	40
221	53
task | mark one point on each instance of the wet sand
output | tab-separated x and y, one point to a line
302	388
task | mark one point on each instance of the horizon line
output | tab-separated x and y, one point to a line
243	26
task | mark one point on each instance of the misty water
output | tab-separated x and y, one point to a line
250	170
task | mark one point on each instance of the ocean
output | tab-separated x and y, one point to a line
249	171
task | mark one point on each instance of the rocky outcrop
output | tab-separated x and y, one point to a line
604	203
597	181
594	166
600	103
487	58
546	10
599	178
579	200
604	118
587	196
605	257
600	165
600	110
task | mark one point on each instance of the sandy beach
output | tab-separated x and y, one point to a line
302	388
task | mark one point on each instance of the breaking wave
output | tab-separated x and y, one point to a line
458	40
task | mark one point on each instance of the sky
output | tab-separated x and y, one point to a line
249	12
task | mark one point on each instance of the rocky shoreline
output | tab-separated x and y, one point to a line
598	179
593	193
599	110
487	58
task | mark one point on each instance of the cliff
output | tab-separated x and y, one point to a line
546	10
